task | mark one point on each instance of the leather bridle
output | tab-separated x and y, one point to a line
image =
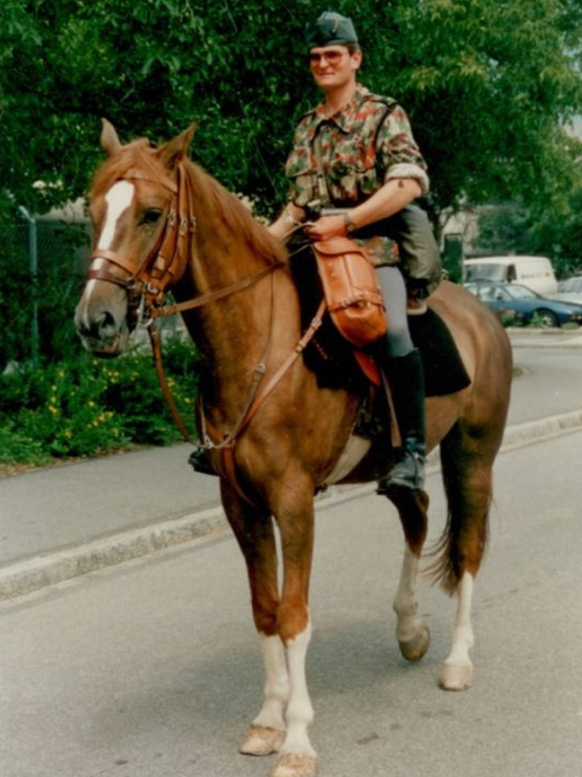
147	283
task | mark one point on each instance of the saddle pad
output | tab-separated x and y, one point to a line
444	370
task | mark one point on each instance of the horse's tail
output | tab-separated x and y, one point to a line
467	477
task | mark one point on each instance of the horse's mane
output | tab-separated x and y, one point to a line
234	215
218	202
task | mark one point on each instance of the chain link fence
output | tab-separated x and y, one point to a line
42	266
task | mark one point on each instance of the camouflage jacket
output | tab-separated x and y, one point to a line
364	145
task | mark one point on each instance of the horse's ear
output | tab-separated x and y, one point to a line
109	139
173	152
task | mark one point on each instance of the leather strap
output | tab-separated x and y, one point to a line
155	341
293	356
227	446
212	296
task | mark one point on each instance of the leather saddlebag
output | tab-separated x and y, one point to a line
351	289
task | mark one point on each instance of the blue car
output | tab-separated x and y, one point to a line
508	299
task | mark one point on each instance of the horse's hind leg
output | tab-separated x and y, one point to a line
413	636
467	464
255	534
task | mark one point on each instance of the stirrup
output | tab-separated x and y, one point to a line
199	461
415	307
407	475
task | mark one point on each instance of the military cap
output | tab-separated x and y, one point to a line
330	29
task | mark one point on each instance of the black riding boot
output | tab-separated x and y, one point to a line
406	378
199	461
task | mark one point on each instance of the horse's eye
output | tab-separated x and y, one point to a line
150	216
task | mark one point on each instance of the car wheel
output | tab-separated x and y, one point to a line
546	318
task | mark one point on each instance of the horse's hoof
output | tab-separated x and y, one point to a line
415	648
262	740
456	677
294	765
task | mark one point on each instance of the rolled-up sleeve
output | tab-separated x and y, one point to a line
398	154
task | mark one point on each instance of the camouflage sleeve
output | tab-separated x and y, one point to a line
397	152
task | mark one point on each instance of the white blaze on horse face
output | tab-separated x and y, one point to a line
117	200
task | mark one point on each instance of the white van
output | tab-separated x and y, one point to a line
535	272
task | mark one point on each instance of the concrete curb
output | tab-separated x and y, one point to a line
39	572
573	346
545	338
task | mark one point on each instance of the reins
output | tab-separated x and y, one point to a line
147	284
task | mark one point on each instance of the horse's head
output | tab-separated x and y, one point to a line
129	204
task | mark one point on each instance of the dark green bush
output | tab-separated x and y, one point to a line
84	406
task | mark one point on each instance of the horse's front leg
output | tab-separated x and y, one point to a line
293	510
255	534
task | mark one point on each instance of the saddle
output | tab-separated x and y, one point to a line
339	354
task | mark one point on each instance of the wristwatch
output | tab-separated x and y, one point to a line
350	226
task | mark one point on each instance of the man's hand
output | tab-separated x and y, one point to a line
325	227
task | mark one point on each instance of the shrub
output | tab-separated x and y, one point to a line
83	406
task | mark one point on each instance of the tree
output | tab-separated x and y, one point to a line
553	230
488	85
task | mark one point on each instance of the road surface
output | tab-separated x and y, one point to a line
151	669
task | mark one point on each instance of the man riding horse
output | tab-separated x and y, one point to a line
356	151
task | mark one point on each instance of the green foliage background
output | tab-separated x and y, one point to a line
488	84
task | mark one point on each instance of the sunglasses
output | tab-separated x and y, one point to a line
332	58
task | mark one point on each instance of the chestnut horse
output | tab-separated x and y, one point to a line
295	438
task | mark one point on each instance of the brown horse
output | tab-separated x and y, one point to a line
295	438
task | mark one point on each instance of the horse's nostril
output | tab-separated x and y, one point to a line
105	325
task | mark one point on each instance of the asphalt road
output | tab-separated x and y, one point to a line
551	383
152	668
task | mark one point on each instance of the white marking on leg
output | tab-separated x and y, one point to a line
457	671
299	710
276	684
463	639
117	201
406	602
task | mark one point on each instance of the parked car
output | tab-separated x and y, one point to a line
535	272
570	290
525	304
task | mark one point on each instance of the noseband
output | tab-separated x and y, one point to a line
149	280
167	260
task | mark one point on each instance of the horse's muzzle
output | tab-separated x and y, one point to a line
101	335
